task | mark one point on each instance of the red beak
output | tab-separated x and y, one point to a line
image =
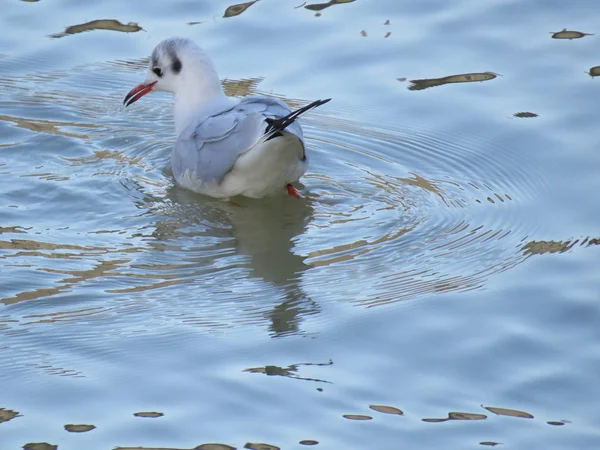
138	92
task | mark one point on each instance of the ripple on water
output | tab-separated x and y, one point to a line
404	232
391	213
289	372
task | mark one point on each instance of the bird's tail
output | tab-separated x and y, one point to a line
276	126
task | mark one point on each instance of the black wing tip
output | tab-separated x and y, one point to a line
284	122
317	103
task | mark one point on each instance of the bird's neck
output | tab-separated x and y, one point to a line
200	88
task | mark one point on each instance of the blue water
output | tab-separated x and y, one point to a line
445	258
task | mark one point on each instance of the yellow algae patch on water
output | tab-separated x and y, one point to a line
39	446
260	446
150	414
7	414
509	412
71	428
525	114
199	447
466	416
458	416
542	247
386	409
102	24
567	34
322	6
236	10
594	71
357	417
424	83
214	447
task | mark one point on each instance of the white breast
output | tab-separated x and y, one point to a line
267	168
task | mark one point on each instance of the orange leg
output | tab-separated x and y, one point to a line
293	191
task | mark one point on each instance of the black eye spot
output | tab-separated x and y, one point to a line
176	65
157	71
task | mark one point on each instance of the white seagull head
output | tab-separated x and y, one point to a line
179	66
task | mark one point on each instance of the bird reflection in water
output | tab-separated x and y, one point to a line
264	231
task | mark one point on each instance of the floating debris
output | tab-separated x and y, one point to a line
322	6
542	247
566	34
525	114
308	442
458	416
79	428
558	423
357	417
7	414
103	24
320	389
194	23
509	412
363	33
490	443
387	22
418	85
236	10
214	447
388	34
386	409
39	446
149	414
594	71
260	446
200	447
150	448
401	79
466	416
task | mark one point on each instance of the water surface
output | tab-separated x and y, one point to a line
436	287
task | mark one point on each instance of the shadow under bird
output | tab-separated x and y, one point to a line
226	146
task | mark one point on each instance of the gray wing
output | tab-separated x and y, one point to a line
211	147
271	108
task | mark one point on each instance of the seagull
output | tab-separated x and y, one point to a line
225	146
